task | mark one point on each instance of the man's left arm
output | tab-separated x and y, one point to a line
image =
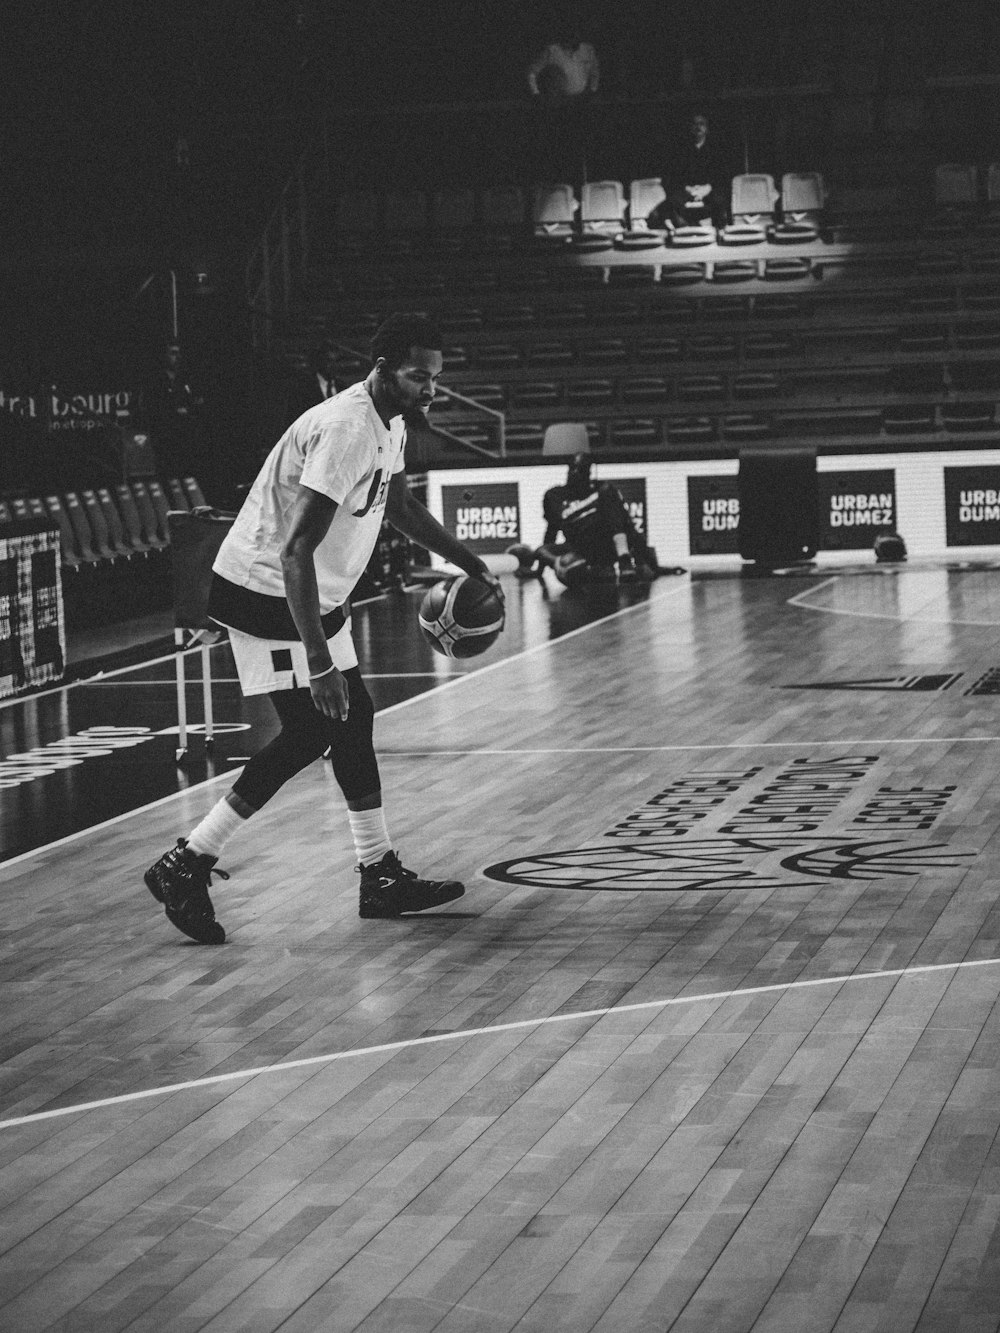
408	516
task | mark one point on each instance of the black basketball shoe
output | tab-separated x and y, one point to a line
180	881
388	889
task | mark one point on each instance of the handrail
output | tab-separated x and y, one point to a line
459	397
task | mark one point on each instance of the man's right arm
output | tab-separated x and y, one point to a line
311	517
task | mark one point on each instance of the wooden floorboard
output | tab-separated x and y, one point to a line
672	1097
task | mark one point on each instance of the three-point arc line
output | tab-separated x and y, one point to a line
463	1034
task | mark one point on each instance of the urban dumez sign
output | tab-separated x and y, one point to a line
972	506
485	517
855	507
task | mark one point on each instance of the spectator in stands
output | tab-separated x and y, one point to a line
171	411
566	68
314	385
601	541
698	178
563	79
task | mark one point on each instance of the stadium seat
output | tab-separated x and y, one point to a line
631	275
682	275
536	394
690	430
83	536
692	236
564	438
644	198
762	345
786	269
746	427
916	420
147	514
193	492
512	317
803	198
549	354
116	529
694	388
6	514
712	347
645	389
487	395
956	184
752	205
590	392
553	211
501	208
567	314
755	384
496	356
524	437
463	319
177	494
602	207
968	416
135	533
659	350
734	270
453	212
635	433
102	540
71	556
604	351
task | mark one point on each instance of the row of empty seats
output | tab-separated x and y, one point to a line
107	524
359	289
652	435
785	210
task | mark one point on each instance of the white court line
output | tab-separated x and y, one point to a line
100	676
408	1044
231	774
235	680
797	600
726	745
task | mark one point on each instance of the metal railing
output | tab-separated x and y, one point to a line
498	416
277	265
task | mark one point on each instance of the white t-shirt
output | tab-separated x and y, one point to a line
341	449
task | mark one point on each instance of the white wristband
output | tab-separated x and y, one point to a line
320	674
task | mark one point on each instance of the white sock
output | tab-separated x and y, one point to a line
371	837
215	830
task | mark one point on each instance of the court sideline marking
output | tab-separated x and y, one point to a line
332	1057
230	774
798	601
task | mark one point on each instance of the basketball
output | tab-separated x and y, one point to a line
461	616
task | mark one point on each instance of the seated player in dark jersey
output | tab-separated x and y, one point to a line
600	540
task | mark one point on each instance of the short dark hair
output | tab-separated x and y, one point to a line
397	334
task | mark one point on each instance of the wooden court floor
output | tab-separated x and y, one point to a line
711	1044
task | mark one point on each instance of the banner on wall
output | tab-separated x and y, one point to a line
855	508
485	516
633	492
713	515
70	411
972	506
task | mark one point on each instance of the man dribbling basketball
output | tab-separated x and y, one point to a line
283	574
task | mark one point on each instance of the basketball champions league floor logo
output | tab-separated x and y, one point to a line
755	828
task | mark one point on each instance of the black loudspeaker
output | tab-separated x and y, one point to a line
779	505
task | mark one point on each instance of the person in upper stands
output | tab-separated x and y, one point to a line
314	385
600	543
567	67
171	410
698	178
